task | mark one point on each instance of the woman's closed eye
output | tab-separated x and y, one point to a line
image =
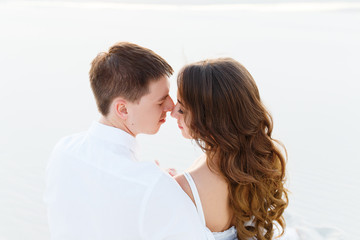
180	111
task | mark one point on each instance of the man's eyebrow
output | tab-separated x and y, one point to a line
163	98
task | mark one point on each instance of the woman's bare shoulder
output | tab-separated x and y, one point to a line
197	163
213	191
181	180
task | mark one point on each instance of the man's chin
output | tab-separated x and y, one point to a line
153	131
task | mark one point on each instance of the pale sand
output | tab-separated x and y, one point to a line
304	58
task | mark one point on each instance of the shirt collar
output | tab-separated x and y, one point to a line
114	135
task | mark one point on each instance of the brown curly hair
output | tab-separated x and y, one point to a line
230	123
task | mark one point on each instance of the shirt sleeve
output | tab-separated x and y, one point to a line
168	213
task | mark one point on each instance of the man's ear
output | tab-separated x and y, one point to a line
120	108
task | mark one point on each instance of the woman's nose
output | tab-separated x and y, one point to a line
174	112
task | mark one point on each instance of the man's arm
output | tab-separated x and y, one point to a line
168	213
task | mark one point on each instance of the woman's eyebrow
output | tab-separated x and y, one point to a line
179	101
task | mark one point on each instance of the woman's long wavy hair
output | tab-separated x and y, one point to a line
230	123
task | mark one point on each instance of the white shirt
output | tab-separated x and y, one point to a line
96	189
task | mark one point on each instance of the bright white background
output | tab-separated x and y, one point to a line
303	56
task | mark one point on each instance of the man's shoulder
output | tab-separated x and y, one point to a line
70	141
175	213
167	189
155	180
146	173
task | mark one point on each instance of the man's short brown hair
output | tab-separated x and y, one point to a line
125	70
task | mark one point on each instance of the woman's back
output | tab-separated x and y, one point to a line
213	193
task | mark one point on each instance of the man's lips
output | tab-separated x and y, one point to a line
162	120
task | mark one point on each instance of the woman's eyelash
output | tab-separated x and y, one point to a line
180	111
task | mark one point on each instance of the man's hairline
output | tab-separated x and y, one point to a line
137	101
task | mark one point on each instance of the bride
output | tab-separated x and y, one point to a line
238	185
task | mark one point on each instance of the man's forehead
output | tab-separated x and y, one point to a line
158	90
164	97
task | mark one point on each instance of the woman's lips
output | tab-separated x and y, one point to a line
162	120
180	126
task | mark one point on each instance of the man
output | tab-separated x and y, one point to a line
96	187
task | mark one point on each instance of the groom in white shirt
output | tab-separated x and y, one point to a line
96	187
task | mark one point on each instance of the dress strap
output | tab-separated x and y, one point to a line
196	197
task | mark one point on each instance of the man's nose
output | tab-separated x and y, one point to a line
169	105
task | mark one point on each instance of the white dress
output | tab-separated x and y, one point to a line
229	234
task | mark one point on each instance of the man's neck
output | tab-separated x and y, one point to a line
116	124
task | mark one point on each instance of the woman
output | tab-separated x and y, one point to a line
238	185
